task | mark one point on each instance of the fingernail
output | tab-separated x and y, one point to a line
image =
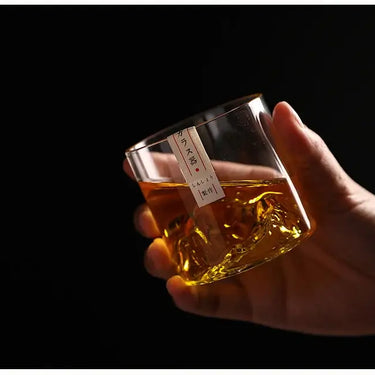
299	121
149	264
137	219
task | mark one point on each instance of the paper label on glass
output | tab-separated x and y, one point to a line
195	165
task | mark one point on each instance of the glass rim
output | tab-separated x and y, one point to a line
226	108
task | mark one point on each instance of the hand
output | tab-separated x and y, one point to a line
324	286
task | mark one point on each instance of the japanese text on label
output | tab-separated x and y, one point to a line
196	166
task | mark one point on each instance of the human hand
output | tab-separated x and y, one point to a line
324	286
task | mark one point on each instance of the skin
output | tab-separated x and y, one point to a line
326	285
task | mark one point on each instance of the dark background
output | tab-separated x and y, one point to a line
82	83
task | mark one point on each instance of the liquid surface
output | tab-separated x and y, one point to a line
256	221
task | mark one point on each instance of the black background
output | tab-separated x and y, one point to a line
82	83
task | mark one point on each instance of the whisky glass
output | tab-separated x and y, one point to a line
219	193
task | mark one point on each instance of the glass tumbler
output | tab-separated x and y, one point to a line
219	192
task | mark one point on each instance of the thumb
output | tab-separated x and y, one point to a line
317	175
